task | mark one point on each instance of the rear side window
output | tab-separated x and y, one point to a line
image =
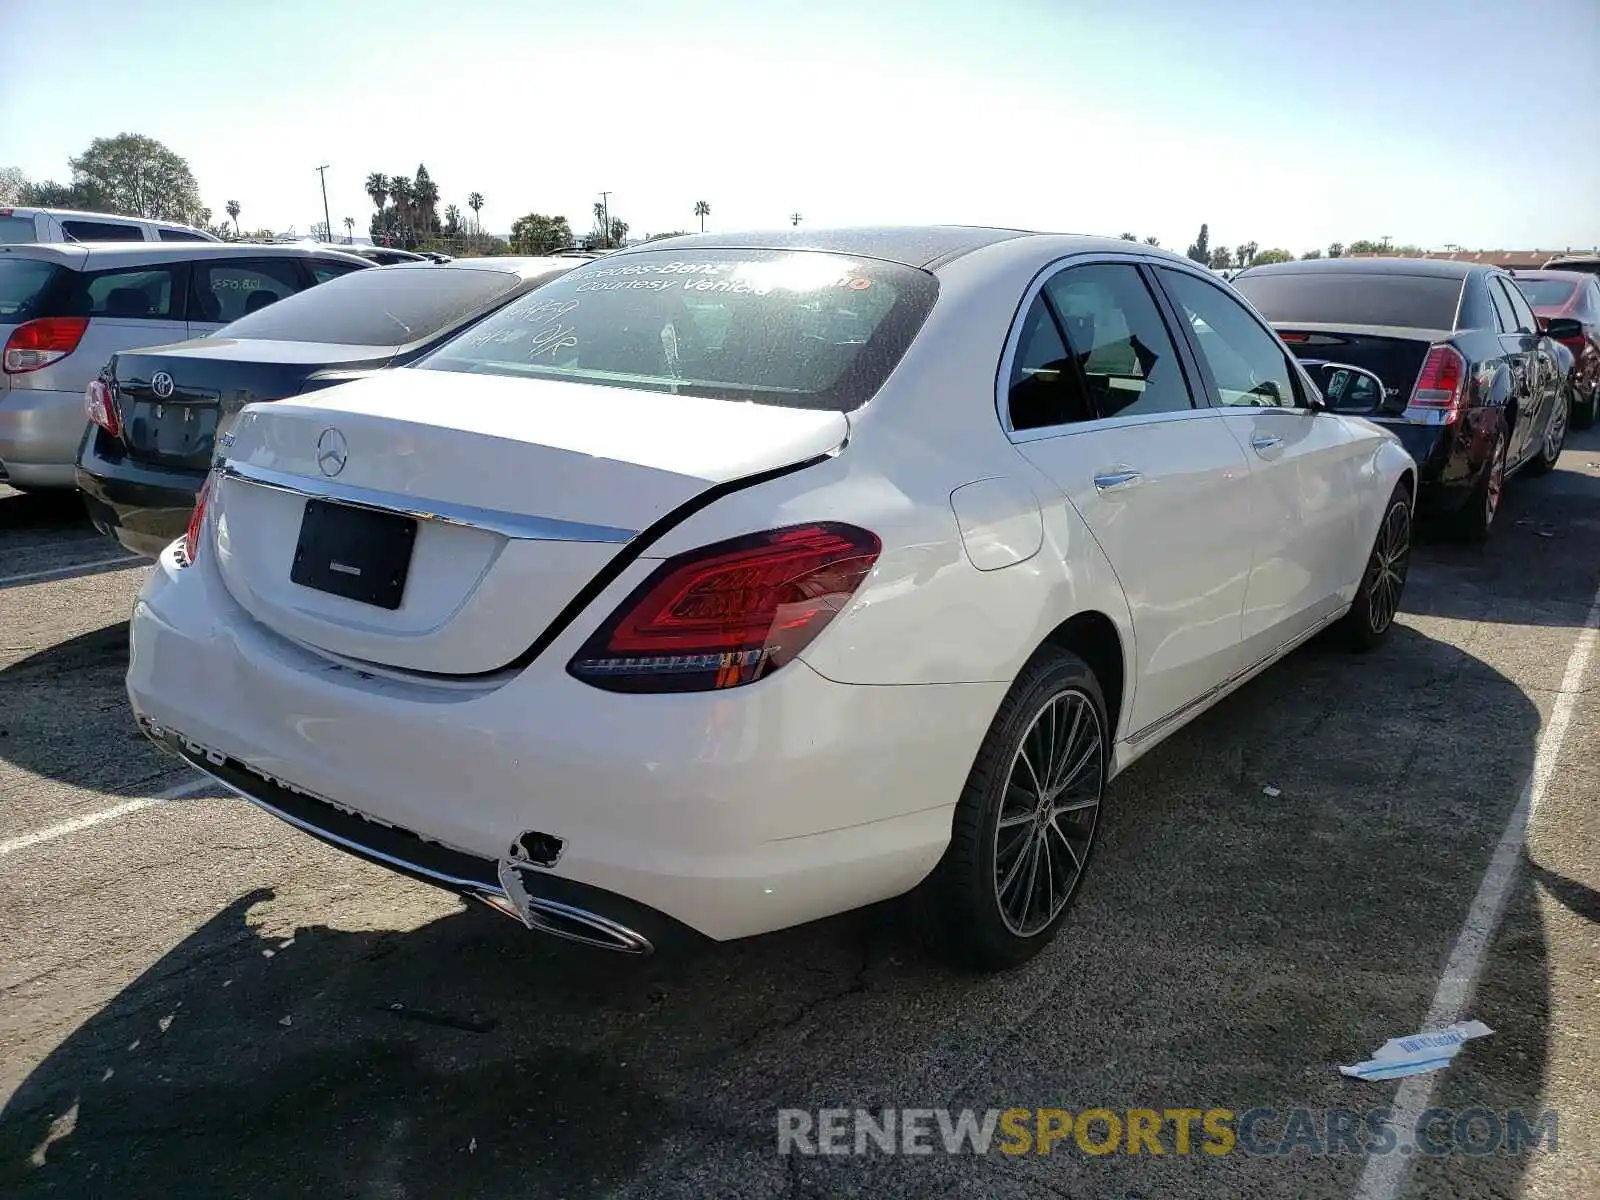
226	289
1546	293
23	284
800	329
1115	332
1354	298
181	235
101	231
323	270
133	293
386	306
17	231
1504	316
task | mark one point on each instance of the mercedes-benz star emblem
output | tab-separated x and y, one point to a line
331	452
161	385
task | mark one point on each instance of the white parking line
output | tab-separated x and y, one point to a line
94	568
187	788
1385	1176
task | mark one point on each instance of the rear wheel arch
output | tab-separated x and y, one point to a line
1094	637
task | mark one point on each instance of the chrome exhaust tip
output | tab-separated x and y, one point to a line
563	920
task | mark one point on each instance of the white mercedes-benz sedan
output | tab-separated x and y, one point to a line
730	582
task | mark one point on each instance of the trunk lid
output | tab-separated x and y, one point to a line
207	382
1392	353
521	490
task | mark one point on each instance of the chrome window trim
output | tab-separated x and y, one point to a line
1002	382
518	526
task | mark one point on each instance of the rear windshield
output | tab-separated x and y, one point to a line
1546	293
379	306
1418	301
800	329
23	282
17	231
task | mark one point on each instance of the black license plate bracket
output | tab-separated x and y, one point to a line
362	554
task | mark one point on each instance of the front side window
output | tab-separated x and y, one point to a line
800	329
226	289
101	231
1246	362
1118	341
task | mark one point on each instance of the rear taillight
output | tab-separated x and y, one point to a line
1441	387
197	521
100	407
35	344
730	613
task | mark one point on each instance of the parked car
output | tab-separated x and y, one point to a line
155	413
583	615
1563	293
1468	377
24	226
1588	264
66	309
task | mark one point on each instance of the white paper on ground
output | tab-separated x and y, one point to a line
1417	1052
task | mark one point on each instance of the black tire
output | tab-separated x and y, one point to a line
1583	414
1555	435
1377	600
967	914
1476	517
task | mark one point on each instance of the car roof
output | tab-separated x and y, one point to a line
923	246
100	255
524	267
1439	268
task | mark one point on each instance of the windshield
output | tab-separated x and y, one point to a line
1546	293
1352	298
379	306
801	329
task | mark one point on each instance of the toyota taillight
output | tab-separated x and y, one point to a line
35	344
101	408
730	613
197	521
1441	389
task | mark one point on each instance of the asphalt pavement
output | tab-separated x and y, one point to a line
197	1000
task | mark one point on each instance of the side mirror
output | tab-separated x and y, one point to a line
1563	329
1345	387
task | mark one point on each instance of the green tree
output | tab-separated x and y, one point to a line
619	231
1245	252
602	238
1312	254
137	176
1335	249
1152	241
12	183
452	220
701	210
378	189
350	229
1274	255
1129	237
475	203
539	234
425	194
1200	248
1220	259
1365	246
232	207
401	196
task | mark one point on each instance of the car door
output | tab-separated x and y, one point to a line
1099	399
1544	372
1307	466
1518	350
226	288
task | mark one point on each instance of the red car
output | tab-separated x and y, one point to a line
1576	295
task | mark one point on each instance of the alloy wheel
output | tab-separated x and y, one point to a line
1496	482
1048	814
1556	435
1386	576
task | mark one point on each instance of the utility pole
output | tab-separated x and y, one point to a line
327	221
794	218
605	207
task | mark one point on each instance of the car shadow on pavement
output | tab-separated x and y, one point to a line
54	509
1229	949
96	744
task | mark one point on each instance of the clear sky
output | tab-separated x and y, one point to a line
1431	121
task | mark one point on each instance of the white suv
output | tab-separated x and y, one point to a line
20	226
66	309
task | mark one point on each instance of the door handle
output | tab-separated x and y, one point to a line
1117	481
1263	442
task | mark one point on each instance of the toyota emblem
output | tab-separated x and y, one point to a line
332	452
161	385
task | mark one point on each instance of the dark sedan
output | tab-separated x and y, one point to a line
1472	381
155	414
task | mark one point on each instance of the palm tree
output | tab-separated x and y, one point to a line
378	189
401	193
600	223
702	210
350	229
233	211
475	203
452	219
